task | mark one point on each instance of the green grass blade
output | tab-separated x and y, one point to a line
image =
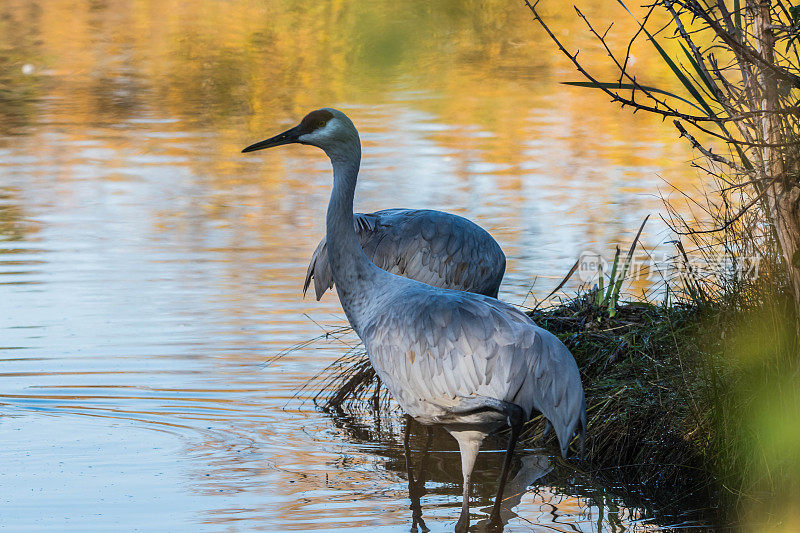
681	76
563	281
737	16
688	84
743	157
600	281
627	263
712	87
675	69
612	277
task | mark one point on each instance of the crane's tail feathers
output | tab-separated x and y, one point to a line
309	275
566	429
564	450
482	408
319	267
365	222
320	270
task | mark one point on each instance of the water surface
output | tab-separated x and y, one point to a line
148	270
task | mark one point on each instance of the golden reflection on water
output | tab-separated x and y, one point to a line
148	269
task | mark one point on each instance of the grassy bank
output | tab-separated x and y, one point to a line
643	393
693	405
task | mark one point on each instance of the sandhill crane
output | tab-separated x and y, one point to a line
434	247
462	360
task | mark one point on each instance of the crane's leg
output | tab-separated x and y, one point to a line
416	488
407	449
515	420
469	442
424	462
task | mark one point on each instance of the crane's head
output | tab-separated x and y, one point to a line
324	128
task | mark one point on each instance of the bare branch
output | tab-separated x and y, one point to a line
728	222
748	53
707	152
615	97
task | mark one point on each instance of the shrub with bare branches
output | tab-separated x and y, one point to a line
740	69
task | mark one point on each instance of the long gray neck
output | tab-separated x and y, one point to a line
353	273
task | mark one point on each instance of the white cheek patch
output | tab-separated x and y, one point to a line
329	129
321	134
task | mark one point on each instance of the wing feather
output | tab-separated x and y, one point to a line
320	270
518	362
319	267
440	249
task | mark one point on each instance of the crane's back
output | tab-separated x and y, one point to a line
434	247
447	355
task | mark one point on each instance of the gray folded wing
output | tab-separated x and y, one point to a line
437	248
435	353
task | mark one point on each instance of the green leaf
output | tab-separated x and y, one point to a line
615	85
689	85
626	265
612	278
743	157
563	281
795	11
600	280
712	87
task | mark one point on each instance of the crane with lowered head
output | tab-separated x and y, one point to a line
434	247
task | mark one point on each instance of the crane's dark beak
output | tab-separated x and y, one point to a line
287	137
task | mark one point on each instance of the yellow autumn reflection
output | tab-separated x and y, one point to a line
478	63
240	70
151	268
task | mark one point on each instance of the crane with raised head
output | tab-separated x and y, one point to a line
465	361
